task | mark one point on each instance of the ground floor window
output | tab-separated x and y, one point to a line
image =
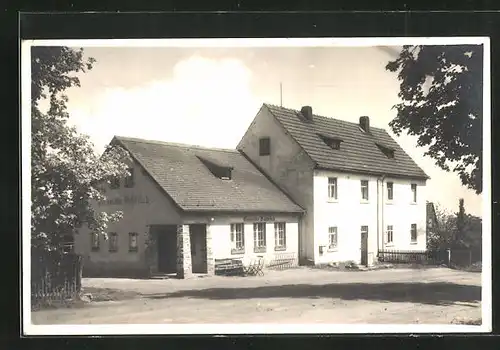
113	242
259	237
413	233
132	242
390	234
332	238
280	236
237	238
94	241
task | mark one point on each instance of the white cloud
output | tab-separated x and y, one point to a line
207	102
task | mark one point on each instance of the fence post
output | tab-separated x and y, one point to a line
449	257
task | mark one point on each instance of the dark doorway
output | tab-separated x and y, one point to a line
198	240
364	245
166	241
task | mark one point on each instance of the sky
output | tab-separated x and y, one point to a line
209	97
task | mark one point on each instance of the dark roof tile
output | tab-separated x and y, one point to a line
179	171
358	151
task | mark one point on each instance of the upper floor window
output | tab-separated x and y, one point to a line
264	146
414	193
364	190
129	180
237	238
413	233
332	188
390	191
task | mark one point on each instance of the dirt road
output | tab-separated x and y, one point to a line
398	296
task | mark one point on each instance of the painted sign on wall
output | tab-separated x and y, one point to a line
259	218
132	199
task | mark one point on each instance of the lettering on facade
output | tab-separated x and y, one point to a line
133	199
259	218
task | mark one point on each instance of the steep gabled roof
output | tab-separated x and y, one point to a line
359	151
186	173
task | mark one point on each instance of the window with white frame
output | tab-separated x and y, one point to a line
332	238
279	236
332	188
132	242
237	238
390	191
389	235
113	242
95	241
414	193
259	237
364	190
413	233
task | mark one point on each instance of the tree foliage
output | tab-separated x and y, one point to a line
441	92
455	230
66	172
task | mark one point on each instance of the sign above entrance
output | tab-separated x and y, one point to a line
133	199
259	218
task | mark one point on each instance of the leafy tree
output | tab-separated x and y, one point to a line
66	172
442	97
461	218
441	235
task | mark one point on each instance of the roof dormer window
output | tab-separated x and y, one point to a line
332	142
388	152
220	171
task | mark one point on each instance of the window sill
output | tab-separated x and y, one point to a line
365	201
413	243
95	250
331	200
332	250
279	249
390	245
133	250
259	250
413	203
389	202
237	251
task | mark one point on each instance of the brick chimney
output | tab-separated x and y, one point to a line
307	112
364	123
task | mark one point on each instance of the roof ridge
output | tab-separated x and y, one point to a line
320	116
173	144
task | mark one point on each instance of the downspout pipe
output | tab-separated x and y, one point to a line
380	210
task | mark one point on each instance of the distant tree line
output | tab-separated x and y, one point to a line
456	230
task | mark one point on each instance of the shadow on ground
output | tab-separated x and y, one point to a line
435	293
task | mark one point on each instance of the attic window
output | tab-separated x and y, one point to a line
220	171
389	153
332	142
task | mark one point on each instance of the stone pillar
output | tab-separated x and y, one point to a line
210	253
184	265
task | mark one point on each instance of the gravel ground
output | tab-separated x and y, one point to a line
303	295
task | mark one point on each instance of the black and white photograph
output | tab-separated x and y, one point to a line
267	185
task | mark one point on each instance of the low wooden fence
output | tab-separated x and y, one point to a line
55	276
429	257
283	261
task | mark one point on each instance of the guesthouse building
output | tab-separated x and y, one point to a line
184	207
